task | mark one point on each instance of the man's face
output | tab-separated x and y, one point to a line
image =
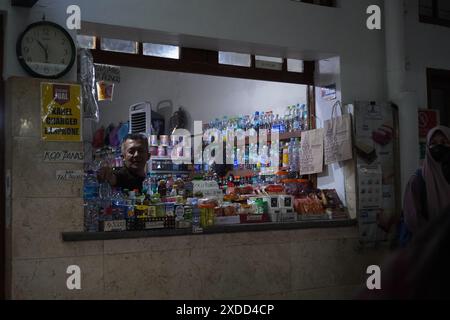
135	154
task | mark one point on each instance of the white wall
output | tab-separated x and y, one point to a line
17	19
328	73
262	26
284	27
202	97
427	46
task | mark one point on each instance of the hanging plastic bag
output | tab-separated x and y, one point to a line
86	77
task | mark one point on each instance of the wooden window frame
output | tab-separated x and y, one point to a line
201	61
325	3
435	18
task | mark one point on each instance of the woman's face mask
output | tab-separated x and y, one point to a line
440	152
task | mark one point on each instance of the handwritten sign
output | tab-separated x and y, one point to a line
208	189
104	72
64	156
61	112
68	175
311	155
114	225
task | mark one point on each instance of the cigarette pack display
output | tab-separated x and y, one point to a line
151	223
286	202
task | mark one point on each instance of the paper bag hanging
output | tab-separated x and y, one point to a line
311	154
338	137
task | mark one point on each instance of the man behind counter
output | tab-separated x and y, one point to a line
135	154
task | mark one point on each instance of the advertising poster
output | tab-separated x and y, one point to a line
428	119
375	143
61	112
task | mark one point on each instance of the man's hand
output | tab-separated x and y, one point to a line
105	174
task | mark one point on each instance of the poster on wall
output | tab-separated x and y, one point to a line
428	119
369	229
328	93
375	144
311	154
370	187
61	112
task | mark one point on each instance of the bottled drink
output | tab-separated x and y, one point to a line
90	195
296	120
291	155
196	218
91	219
294	156
285	158
119	205
90	185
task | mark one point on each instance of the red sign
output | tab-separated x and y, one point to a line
428	119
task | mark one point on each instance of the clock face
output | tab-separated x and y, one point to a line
46	50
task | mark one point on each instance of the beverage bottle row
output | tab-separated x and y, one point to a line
294	119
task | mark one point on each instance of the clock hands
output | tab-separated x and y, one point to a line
45	50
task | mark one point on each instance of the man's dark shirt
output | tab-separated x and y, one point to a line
127	180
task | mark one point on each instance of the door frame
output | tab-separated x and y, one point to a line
2	167
433	74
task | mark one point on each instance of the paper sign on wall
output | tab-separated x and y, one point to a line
428	119
370	187
104	72
61	112
311	154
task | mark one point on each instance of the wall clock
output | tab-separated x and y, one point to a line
46	50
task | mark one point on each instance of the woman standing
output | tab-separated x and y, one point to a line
428	191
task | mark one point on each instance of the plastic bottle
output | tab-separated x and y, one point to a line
276	124
294	156
91	208
132	197
91	219
296	119
90	185
304	115
196	217
118	205
291	155
285	162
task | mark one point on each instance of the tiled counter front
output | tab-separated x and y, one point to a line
296	264
316	263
